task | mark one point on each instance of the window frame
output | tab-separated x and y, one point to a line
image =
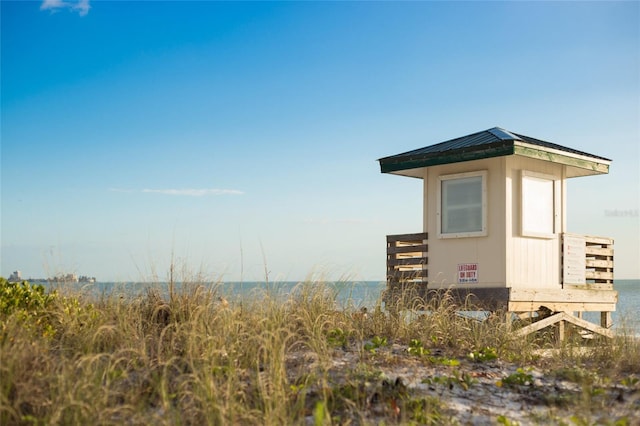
439	210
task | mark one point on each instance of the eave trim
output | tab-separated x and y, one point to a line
390	165
560	157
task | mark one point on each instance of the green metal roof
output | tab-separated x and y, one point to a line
494	142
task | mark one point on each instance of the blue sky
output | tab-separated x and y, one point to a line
243	137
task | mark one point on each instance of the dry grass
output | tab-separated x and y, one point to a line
189	357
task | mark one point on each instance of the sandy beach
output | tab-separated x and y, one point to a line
390	380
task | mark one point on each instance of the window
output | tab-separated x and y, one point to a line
462	205
538	205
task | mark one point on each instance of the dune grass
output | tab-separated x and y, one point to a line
189	356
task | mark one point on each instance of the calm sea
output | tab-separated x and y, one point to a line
367	293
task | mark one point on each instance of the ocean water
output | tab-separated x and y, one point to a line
627	314
359	294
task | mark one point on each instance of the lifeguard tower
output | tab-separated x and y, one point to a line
494	231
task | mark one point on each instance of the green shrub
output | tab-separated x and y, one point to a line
22	296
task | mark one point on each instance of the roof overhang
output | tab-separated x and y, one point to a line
576	164
401	164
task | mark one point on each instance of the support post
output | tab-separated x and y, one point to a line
508	319
560	336
605	320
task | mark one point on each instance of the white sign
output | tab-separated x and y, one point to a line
574	260
467	273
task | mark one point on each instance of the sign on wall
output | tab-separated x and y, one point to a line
467	273
574	259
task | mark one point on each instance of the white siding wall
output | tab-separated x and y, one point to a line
505	257
532	262
488	252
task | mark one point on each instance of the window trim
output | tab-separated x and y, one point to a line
555	205
484	231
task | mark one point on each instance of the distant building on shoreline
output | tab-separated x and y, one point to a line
71	278
16	276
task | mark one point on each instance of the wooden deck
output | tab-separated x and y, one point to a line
591	291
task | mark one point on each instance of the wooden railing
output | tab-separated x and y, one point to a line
598	261
407	258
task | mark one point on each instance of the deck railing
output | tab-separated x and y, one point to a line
598	261
407	258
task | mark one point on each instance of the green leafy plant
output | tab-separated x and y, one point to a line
464	380
521	377
630	382
450	362
375	343
320	414
416	348
22	296
503	420
483	355
29	303
337	337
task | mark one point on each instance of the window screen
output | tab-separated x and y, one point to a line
462	204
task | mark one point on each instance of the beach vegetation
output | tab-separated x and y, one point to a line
503	420
522	377
23	296
483	355
375	343
443	360
415	348
337	338
188	354
426	411
457	378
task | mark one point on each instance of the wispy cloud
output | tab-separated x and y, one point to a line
80	6
195	192
348	221
121	190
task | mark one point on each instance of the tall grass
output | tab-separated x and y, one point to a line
190	357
